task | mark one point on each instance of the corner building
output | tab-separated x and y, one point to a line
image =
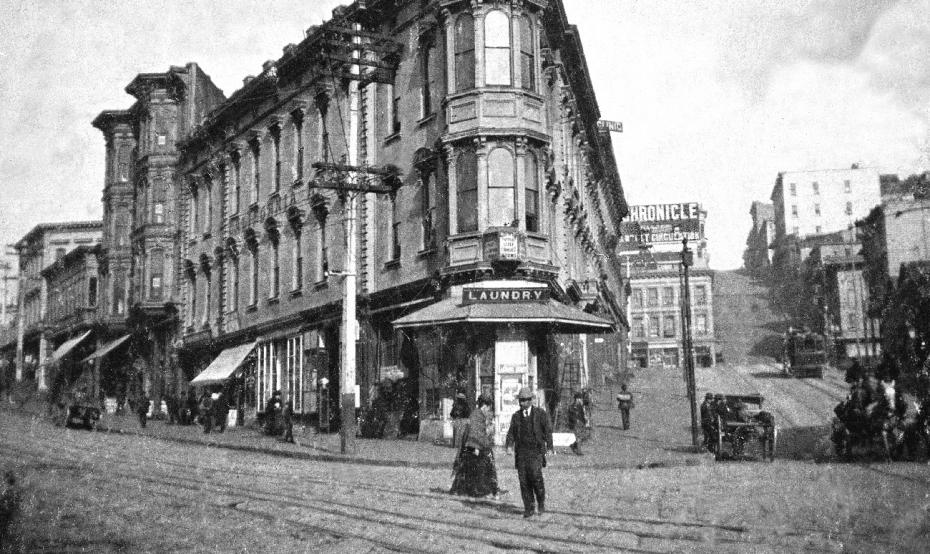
483	268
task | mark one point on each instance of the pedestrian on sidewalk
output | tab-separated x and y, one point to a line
220	411
530	437
707	421
578	423
273	414
474	473
461	411
142	409
287	415
206	412
625	404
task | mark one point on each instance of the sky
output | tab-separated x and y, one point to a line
716	97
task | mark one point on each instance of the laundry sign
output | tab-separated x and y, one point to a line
474	295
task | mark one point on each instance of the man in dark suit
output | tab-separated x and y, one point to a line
530	436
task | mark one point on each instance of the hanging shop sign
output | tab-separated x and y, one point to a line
474	295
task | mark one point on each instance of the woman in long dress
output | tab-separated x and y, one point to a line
474	473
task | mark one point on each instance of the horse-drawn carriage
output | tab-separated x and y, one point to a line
804	354
742	426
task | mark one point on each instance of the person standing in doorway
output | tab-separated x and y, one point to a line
530	437
220	411
142	409
206	412
287	415
625	404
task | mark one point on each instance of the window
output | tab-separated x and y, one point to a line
426	53
794	210
207	206
395	229
233	283
668	326
527	54
700	295
428	206
653	297
793	188
815	187
466	183
852	322
297	275
192	295
847	187
60	253
276	153
253	282
236	184
92	292
637	297
275	269
159	198
653	326
192	217
298	170
256	173
322	263
464	52
156	274
122	230
816	209
500	188
122	163
531	175
668	296
496	48
207	294
294	372
849	208
700	324
639	329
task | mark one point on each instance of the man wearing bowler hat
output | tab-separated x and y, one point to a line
530	436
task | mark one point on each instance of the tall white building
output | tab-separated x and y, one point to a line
823	201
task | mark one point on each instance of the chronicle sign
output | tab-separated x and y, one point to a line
662	224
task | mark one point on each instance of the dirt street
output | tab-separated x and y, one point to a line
169	488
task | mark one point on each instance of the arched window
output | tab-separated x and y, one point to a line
466	183
122	163
527	54
496	48
500	188
159	197
531	180
464	52
207	195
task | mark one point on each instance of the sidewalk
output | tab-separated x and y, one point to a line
659	436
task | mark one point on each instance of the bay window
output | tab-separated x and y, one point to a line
466	182
500	188
464	52
496	48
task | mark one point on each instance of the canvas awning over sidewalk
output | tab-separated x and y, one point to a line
68	346
105	349
555	314
224	366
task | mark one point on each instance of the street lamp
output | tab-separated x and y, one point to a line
687	260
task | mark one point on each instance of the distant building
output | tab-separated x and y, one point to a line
757	257
41	247
651	253
823	201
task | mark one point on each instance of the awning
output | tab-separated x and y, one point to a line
105	349
555	314
67	346
224	365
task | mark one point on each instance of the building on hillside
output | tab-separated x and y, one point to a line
823	201
757	258
651	249
41	247
485	268
140	250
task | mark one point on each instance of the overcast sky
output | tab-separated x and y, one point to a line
716	97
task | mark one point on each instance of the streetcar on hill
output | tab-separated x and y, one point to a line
804	354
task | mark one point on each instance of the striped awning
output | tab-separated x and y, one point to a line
224	366
556	315
106	349
68	346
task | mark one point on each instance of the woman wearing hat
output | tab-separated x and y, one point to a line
461	410
474	473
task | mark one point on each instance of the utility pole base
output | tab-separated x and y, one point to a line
347	429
